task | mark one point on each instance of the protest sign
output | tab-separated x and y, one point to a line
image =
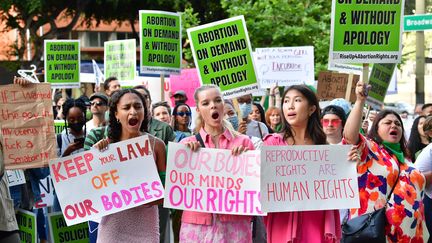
379	79
334	85
366	32
98	75
188	81
60	232
160	38
93	184
120	59
62	63
27	226
46	188
285	65
223	56
300	178
212	180
59	126
15	177
26	122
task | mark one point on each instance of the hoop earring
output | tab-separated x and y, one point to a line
118	121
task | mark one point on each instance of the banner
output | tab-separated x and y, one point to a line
285	66
60	232
366	32
27	226
188	81
303	178
223	56
334	85
15	177
46	188
120	60
62	63
26	121
212	180
380	79
160	38
93	184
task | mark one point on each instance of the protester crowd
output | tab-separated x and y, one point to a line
388	161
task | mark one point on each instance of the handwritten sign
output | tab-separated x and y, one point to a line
46	188
334	85
212	180
93	184
188	81
26	122
15	177
27	226
299	178
120	59
60	232
380	79
285	66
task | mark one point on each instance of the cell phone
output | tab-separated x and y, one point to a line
79	140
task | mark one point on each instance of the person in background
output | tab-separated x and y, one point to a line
128	119
98	108
384	163
58	112
111	84
182	117
162	111
180	97
418	139
273	118
253	128
427	109
258	114
333	121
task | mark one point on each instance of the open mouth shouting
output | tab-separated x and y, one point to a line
215	115
133	122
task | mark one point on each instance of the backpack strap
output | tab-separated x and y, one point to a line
199	139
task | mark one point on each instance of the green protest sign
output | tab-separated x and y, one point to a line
27	226
223	56
120	59
60	232
379	78
160	36
366	31
62	63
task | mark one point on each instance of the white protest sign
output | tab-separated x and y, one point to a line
301	178
285	65
212	180
46	188
93	184
15	177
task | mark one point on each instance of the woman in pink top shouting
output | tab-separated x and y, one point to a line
215	133
301	115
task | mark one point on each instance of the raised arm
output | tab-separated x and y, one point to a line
352	125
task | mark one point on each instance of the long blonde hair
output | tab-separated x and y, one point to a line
199	121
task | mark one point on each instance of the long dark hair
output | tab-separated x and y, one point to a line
314	127
414	141
373	132
262	115
69	104
115	130
174	113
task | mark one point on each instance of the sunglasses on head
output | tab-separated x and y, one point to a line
333	122
181	113
96	103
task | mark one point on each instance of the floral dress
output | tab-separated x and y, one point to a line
377	173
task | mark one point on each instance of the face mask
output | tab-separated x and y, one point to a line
234	121
245	109
76	127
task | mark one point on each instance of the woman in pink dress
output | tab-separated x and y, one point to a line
301	115
215	133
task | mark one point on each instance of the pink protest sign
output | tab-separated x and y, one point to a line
93	184
188	81
302	178
213	181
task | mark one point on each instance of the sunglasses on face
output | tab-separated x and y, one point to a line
96	103
181	113
333	122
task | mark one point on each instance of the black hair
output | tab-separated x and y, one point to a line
115	130
145	89
414	141
262	115
108	81
174	113
426	106
161	103
69	104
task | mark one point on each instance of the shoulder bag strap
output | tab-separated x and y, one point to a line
199	139
391	192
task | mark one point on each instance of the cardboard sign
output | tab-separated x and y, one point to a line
15	177
334	85
27	226
223	56
46	188
366	32
62	63
160	38
285	66
379	79
212	180
120	59
188	81
122	177
60	232
301	178
26	122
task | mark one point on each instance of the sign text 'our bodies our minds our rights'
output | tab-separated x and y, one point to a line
160	38
120	59
299	178
62	63
27	125
366	31
212	180
122	177
223	56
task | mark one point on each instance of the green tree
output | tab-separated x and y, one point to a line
281	23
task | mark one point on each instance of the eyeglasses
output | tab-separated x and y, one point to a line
181	113
333	122
97	103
